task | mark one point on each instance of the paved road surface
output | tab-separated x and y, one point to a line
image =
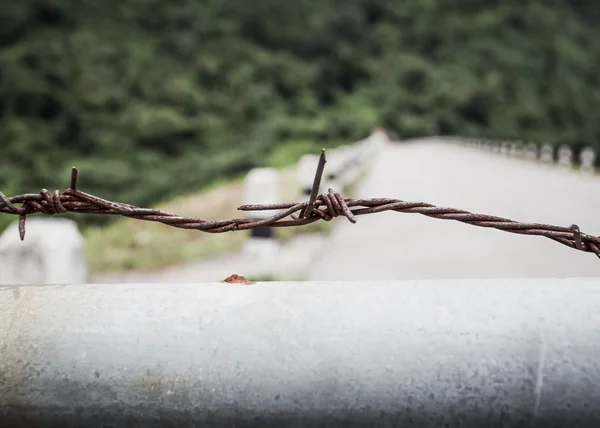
411	246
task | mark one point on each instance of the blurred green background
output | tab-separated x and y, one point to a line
152	98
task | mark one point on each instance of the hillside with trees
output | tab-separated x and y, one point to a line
153	98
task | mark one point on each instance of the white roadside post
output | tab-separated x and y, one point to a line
376	141
565	156
587	158
52	253
261	187
547	153
531	151
519	150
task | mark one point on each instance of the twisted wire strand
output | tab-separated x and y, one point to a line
319	207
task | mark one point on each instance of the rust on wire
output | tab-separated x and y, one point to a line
314	192
318	207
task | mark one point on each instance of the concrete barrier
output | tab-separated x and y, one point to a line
519	149
547	153
531	151
52	253
262	187
344	164
587	159
473	353
305	170
340	164
565	156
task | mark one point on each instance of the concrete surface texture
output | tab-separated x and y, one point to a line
52	253
395	245
468	353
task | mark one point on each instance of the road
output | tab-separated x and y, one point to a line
395	245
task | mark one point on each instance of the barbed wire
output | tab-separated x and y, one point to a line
319	207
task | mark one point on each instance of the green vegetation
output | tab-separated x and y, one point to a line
129	244
152	99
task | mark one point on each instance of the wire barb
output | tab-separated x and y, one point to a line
307	212
74	175
318	207
7	206
22	219
577	237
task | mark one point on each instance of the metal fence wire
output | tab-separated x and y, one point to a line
319	207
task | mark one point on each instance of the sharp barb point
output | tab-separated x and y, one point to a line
22	227
74	175
316	186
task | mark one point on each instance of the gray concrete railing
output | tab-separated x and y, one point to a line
52	253
562	155
493	353
344	164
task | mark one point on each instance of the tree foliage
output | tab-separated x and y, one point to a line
149	97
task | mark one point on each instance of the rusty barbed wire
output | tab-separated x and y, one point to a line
318	207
